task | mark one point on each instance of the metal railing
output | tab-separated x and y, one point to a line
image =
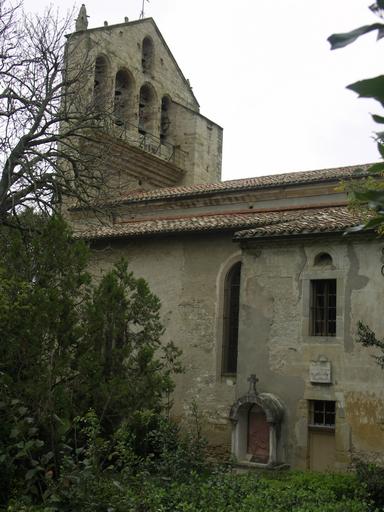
148	142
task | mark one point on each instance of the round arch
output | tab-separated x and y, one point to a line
124	87
165	119
101	86
224	269
148	109
147	54
265	430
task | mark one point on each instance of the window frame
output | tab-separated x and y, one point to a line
230	320
324	289
322	405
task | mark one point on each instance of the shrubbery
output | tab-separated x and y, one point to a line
214	492
85	387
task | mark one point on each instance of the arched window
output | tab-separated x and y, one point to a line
147	109
147	55
123	90
100	89
165	121
231	319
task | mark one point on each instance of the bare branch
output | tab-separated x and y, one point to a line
44	119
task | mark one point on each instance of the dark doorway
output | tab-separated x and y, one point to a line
258	435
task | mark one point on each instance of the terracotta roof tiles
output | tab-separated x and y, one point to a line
250	225
259	182
322	220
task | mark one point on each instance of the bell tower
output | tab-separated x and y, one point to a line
152	132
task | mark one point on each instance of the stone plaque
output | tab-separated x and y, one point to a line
320	372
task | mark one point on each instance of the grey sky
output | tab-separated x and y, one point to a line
263	70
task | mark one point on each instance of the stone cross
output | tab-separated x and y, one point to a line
253	380
82	22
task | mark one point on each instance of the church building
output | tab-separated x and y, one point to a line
259	285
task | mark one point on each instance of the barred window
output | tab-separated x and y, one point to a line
323	307
231	319
322	413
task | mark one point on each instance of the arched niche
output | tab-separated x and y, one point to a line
323	259
100	88
147	110
256	421
147	54
122	107
165	120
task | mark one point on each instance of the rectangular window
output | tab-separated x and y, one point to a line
322	413
323	307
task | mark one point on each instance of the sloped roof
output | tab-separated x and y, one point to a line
314	221
259	182
249	224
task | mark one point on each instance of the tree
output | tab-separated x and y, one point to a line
44	119
371	195
68	346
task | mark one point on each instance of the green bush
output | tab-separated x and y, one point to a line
218	491
371	477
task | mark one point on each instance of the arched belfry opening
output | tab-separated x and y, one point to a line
100	89
256	420
165	120
147	55
147	110
122	99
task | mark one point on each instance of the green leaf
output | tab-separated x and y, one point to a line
380	147
378	119
376	168
14	433
370	88
341	40
30	474
375	222
370	196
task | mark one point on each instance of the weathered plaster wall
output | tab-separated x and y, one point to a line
274	341
186	272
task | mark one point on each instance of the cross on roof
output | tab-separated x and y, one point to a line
253	380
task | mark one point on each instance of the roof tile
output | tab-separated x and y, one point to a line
259	182
250	225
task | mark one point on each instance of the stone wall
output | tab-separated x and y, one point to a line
187	273
190	142
275	341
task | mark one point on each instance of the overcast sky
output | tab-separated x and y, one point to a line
262	69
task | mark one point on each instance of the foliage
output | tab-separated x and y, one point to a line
22	458
225	492
368	338
371	477
373	194
69	347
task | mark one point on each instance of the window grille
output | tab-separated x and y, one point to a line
323	307
322	413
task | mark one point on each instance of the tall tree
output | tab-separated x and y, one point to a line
68	345
43	118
